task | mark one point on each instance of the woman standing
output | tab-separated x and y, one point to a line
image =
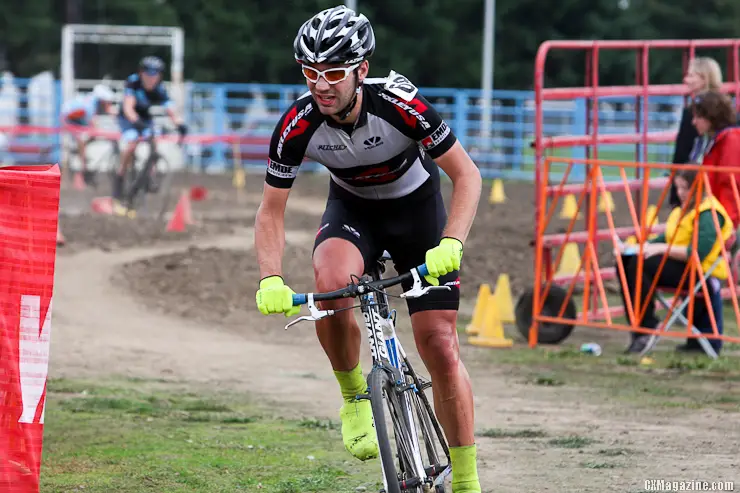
703	74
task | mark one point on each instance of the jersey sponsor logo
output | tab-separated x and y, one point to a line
332	147
379	174
437	137
411	112
400	86
372	143
293	125
281	170
351	230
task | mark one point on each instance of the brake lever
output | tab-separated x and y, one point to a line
417	290
315	313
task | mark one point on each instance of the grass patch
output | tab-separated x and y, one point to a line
572	442
501	433
598	465
121	437
670	381
615	452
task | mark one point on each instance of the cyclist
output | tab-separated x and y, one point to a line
143	90
79	112
382	142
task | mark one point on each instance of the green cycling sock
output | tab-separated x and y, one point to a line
464	469
351	383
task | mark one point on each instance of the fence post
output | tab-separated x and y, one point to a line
220	120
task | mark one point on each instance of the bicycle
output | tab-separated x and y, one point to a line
393	383
97	162
139	176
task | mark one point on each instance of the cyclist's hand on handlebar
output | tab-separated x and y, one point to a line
182	129
443	259
274	296
140	124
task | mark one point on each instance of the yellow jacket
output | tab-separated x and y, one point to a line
680	230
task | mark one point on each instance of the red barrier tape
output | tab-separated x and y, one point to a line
16	130
29	208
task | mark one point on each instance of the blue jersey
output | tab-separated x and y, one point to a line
80	110
145	99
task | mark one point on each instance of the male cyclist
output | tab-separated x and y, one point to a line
143	90
382	142
79	112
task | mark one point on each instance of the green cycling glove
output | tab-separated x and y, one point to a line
443	259
274	296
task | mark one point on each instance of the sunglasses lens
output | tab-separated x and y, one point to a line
310	74
335	75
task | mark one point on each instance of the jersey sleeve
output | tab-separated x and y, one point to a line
418	119
163	97
129	88
288	146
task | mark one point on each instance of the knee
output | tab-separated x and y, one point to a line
439	347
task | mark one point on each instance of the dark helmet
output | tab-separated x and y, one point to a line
151	65
336	35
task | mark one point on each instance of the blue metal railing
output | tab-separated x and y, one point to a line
252	110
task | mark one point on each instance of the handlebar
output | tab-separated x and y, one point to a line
355	289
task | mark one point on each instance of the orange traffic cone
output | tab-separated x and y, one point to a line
182	215
102	205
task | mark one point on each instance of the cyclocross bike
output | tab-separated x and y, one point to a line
396	392
138	179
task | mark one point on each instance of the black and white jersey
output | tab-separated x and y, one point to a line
388	154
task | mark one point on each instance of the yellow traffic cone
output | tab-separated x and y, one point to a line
570	261
505	303
497	192
239	180
606	202
570	207
476	324
492	333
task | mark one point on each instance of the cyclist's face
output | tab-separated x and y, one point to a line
150	81
331	98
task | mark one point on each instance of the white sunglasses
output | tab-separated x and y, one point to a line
330	75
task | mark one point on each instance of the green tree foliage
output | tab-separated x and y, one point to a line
433	42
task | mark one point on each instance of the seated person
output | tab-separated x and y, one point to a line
80	112
679	236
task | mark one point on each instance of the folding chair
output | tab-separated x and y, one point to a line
677	313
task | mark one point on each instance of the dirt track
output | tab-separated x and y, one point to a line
181	307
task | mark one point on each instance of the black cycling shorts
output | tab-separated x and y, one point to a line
405	228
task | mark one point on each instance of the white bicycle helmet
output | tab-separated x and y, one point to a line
103	93
336	35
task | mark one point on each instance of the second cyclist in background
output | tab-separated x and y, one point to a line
80	112
143	90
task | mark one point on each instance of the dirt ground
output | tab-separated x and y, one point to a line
134	300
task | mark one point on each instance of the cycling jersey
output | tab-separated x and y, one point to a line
145	99
80	110
387	154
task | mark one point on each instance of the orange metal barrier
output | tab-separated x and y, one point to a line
593	275
592	91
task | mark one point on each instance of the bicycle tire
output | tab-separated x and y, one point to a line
383	396
165	185
378	382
